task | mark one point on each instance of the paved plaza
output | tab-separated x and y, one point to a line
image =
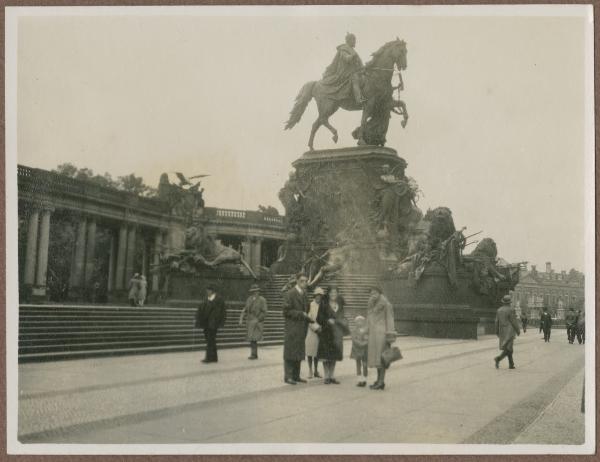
443	391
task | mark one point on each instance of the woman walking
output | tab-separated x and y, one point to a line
380	322
333	328
311	343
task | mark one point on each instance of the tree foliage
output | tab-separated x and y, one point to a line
268	210
129	183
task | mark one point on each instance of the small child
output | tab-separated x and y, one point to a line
360	340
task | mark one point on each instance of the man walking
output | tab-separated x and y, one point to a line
211	316
581	327
255	313
571	322
524	320
507	328
295	307
546	324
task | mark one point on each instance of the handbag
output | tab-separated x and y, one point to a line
390	355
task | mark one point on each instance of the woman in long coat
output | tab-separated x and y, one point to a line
255	313
333	328
380	321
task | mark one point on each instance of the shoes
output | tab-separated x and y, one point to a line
300	380
317	375
327	381
361	384
512	367
334	381
290	381
252	357
206	361
377	386
496	363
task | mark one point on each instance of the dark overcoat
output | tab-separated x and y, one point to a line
331	337
211	314
295	305
545	321
507	327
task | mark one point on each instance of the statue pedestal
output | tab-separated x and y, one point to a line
333	202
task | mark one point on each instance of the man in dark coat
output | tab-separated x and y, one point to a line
571	322
580	327
211	316
507	328
524	320
295	307
546	324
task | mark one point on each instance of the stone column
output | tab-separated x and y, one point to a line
144	269
79	257
129	261
42	260
31	251
257	254
90	252
121	257
111	263
158	243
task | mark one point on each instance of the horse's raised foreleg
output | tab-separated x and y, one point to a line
363	123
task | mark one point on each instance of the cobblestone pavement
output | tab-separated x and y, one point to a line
443	391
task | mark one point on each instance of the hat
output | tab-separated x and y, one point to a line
506	299
319	291
254	288
376	287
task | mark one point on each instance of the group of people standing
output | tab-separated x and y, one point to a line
138	289
316	329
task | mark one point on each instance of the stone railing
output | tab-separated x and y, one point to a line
46	184
244	216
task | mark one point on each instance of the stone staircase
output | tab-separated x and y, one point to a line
55	332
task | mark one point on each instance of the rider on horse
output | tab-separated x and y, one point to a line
346	67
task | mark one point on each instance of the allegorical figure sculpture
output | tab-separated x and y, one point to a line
350	85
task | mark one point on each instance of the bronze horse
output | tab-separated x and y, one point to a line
376	88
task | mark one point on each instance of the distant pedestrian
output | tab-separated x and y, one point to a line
295	307
360	340
507	328
581	328
255	312
211	316
380	322
332	319
571	323
134	289
311	343
546	324
524	320
143	290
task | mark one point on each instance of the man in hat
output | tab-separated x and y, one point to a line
255	312
546	323
507	328
211	316
571	322
295	307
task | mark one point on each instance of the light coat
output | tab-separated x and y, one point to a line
380	321
295	306
255	312
507	327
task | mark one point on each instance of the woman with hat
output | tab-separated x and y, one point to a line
311	343
334	326
255	312
382	332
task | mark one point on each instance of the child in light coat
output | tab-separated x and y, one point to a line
360	340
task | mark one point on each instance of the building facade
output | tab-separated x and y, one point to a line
557	291
83	242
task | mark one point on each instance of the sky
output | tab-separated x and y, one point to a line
496	104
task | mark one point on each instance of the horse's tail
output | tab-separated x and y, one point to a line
302	101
